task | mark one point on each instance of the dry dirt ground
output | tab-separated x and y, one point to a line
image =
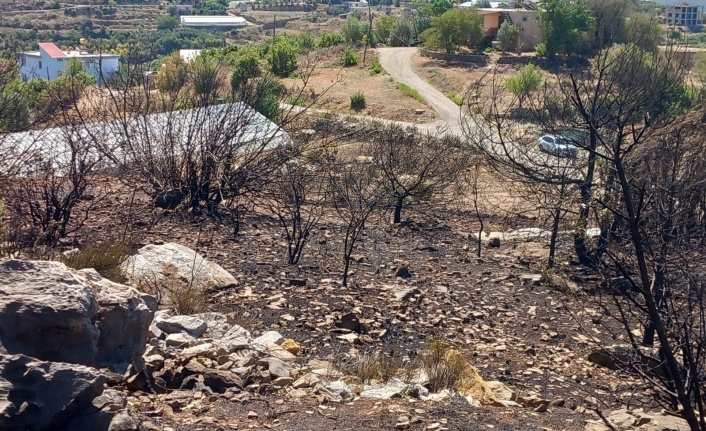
334	85
455	78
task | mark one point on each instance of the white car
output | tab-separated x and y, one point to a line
557	146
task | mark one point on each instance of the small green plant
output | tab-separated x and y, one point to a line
411	92
358	100
377	67
349	57
541	49
106	258
489	50
455	98
297	101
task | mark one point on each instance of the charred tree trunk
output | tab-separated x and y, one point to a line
397	218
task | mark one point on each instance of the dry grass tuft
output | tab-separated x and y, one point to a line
104	257
443	365
372	366
182	296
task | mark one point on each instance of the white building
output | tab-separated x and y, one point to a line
50	60
357	5
189	55
213	21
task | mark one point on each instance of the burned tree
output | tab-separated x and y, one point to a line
297	197
634	172
414	166
356	192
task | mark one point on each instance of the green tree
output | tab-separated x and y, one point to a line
507	36
482	3
245	67
282	56
383	28
206	75
14	105
265	96
168	22
526	81
352	30
172	74
608	21
454	27
438	7
644	31
562	23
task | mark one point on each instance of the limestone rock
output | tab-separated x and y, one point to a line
262	343
92	321
392	389
502	392
306	381
38	298
123	319
188	324
44	396
237	338
216	324
336	391
175	264
179	339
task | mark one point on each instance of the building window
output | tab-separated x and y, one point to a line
40	64
23	62
24	77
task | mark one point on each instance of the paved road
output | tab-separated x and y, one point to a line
398	63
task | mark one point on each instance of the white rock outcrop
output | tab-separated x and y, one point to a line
175	265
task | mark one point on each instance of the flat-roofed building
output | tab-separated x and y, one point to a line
50	60
213	21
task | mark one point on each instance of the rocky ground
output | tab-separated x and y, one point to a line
278	346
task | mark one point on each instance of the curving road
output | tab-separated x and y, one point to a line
398	63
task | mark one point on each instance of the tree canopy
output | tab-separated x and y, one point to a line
454	27
563	23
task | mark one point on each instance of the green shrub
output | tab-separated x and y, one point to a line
349	57
455	98
336	10
507	36
358	100
541	49
306	43
297	101
352	30
377	67
329	39
282	57
245	67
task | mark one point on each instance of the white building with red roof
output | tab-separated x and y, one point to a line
49	61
